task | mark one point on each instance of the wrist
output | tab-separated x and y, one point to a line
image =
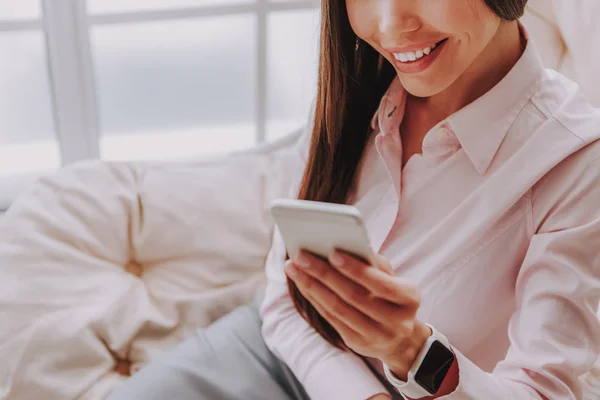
406	354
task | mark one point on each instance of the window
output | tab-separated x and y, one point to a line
27	130
148	79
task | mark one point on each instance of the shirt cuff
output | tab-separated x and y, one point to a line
343	376
473	383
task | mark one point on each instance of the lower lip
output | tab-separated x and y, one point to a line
421	64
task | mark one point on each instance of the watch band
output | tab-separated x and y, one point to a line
411	387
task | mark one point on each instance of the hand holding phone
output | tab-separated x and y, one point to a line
350	297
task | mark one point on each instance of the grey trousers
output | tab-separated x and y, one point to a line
225	361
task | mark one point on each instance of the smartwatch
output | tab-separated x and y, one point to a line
431	366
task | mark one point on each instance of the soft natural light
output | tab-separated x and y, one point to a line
176	76
278	128
139	81
19	9
189	143
25	94
112	6
184	143
291	67
33	156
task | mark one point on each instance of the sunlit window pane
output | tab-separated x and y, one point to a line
176	88
27	140
291	69
19	9
116	6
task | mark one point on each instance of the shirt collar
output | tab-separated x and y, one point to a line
482	125
391	112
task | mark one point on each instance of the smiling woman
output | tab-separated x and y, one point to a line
475	170
468	38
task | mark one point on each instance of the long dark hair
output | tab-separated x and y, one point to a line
352	79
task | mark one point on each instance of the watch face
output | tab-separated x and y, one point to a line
434	368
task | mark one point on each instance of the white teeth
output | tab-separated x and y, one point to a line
401	57
410	56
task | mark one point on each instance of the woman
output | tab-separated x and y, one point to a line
477	173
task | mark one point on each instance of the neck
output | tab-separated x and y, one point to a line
494	63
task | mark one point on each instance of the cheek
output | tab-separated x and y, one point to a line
461	19
360	15
474	23
478	37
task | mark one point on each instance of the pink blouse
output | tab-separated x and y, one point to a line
498	221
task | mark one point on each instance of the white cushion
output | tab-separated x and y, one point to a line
567	33
71	305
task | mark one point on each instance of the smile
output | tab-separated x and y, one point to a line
417	55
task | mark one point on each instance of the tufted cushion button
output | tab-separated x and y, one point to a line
134	268
123	367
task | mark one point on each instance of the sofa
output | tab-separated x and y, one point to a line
566	33
104	266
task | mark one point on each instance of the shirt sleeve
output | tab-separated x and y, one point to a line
325	371
555	332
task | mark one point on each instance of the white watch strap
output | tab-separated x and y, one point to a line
411	388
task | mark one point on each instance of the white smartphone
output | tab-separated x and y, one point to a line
321	228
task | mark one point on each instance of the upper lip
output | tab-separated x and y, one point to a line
412	47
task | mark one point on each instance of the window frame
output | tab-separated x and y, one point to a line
66	27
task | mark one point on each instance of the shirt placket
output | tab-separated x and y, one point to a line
439	144
389	147
388	141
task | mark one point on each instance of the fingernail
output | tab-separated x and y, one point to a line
291	270
302	260
336	259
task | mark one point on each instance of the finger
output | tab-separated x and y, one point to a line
349	336
322	297
351	292
381	284
383	264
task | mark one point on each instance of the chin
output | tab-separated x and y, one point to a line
419	88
